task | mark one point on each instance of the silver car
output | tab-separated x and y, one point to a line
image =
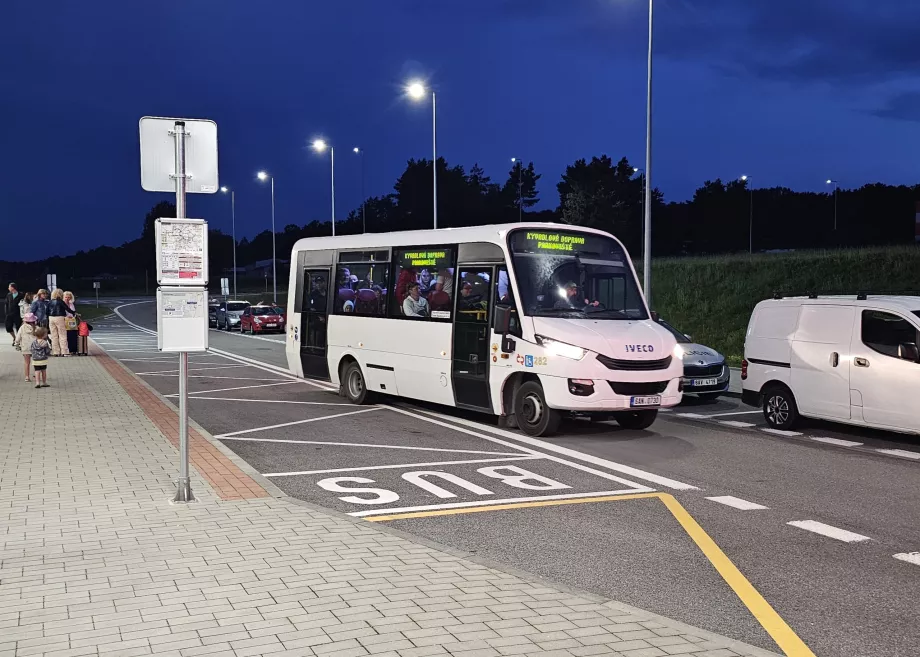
706	373
228	314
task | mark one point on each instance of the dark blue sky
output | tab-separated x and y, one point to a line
789	92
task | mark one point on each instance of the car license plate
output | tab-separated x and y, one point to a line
271	325
700	383
653	400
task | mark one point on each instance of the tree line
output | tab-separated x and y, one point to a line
599	193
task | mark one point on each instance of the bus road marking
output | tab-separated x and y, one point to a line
289	424
373	445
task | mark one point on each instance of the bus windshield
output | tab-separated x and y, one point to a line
573	274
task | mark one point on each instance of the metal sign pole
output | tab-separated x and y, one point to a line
184	484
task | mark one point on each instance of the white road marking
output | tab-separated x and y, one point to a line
261	385
738	425
900	452
283	336
402	466
737	503
734	413
276	401
829	531
510	500
375	446
693	416
268	367
206	376
909	557
780	432
196	369
837	441
290	424
571	453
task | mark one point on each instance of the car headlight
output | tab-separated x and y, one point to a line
257	320
564	349
678	352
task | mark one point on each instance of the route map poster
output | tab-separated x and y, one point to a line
182	252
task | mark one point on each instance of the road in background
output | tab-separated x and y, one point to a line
815	526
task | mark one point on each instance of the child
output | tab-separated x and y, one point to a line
25	336
83	329
41	350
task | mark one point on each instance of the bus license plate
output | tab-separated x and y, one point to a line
654	400
699	383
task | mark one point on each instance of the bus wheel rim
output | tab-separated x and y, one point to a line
355	384
532	409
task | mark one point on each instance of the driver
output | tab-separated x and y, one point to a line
570	299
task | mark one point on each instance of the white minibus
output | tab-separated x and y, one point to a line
526	321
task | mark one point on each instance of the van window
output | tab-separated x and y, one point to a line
825	324
883	332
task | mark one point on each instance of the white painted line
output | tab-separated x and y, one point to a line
780	432
261	385
734	413
665	410
909	557
738	425
693	416
551	447
838	441
281	341
207	376
375	446
401	466
829	531
276	401
900	452
196	369
290	424
510	500
737	503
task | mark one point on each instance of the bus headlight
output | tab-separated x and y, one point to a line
564	349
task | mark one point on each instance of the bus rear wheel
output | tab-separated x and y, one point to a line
533	415
354	385
635	420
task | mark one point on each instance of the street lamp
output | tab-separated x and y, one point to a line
647	252
233	228
357	151
416	91
751	218
320	146
520	168
263	176
641	200
834	183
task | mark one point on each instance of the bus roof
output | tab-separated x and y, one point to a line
494	234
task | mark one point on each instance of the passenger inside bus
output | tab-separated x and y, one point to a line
414	304
445	281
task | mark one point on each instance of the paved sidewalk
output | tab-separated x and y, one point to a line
94	560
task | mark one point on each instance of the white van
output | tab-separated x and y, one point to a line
844	359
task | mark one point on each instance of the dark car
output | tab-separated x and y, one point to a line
213	305
706	373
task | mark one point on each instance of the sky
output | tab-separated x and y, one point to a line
790	93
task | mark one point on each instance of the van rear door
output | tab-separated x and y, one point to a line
820	360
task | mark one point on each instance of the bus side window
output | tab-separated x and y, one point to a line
504	296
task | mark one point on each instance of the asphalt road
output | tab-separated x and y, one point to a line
844	594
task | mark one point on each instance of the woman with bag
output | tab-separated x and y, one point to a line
58	334
71	322
40	308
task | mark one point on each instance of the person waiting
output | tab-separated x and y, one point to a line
415	305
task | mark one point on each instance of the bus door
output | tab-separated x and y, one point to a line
314	320
470	359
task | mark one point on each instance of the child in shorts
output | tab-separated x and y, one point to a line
41	351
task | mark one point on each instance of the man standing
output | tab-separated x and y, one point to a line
13	318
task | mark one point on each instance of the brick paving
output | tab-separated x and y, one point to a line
94	560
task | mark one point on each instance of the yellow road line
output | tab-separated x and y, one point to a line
776	627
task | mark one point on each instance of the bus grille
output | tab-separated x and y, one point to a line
635	365
650	388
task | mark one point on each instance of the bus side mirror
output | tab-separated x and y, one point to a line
501	320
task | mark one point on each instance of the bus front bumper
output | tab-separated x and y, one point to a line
577	395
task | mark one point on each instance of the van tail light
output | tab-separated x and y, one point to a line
744	366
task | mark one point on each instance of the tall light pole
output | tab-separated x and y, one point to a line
637	170
233	228
416	91
263	177
751	216
320	146
357	151
520	168
834	183
647	251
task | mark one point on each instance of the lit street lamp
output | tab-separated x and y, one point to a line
263	176
233	228
834	183
357	151
520	168
416	91
751	219
320	146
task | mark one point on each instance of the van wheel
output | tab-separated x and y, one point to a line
779	407
533	416
635	420
354	385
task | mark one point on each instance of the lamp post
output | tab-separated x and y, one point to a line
647	251
263	176
320	146
751	217
233	228
360	153
416	91
640	171
834	183
520	168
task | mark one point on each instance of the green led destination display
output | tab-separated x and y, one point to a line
554	241
423	258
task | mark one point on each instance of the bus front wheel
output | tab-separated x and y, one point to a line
354	385
533	415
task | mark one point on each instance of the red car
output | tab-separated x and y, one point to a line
261	319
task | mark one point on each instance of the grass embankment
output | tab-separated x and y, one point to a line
711	298
90	312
